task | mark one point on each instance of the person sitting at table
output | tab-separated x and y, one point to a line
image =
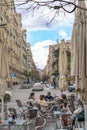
79	112
43	103
32	99
48	97
66	108
64	97
56	98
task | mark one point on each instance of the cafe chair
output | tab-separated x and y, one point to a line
38	106
29	104
22	108
40	123
67	121
31	114
4	129
20	105
48	115
16	113
13	110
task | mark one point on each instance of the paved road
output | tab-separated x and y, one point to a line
23	94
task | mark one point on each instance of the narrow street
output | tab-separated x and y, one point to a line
45	42
23	94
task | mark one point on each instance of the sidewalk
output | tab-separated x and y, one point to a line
20	86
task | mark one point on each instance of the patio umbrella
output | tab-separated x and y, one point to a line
3	73
79	50
63	65
79	45
3	62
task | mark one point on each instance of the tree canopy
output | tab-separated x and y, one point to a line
51	4
56	6
68	6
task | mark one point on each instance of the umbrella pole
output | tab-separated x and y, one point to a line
2	109
85	116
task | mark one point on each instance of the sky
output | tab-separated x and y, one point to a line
41	32
41	39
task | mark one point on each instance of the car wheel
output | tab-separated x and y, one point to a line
7	98
70	90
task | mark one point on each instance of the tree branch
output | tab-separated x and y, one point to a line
55	4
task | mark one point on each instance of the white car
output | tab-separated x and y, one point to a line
72	88
37	87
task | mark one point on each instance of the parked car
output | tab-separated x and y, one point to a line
72	87
37	87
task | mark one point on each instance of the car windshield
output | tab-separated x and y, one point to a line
37	84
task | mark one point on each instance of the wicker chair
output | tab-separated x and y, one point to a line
40	123
48	115
13	110
22	108
31	114
67	121
20	105
4	129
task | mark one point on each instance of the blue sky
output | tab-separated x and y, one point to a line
52	34
41	39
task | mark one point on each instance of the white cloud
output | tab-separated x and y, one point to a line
42	21
38	19
63	34
40	52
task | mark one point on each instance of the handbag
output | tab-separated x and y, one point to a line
81	116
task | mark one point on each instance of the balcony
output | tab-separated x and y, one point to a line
10	49
25	71
16	57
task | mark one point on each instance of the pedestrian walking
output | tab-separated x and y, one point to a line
54	83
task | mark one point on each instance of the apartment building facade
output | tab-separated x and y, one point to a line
13	37
51	67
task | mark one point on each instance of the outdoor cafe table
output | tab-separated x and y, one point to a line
19	123
51	102
59	114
